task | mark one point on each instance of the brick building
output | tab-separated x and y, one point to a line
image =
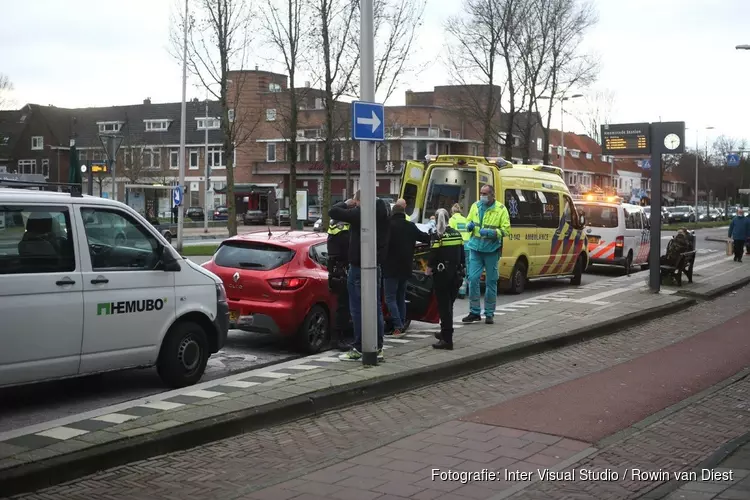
427	124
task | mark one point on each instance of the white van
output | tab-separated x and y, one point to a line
618	233
87	285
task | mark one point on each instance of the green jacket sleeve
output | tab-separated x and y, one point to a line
504	229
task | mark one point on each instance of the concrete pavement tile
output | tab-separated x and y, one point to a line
137	432
165	425
31	441
70	446
35	455
253	400
273	493
355	494
399	489
475	491
690	495
99	437
316	488
360	482
732	494
8	450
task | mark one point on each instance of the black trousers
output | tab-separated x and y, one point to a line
739	249
446	291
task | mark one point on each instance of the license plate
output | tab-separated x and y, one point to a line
234	315
593	239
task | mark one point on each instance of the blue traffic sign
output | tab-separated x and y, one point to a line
177	196
368	121
733	160
646	164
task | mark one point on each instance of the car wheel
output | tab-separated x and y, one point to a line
184	355
314	333
577	272
518	278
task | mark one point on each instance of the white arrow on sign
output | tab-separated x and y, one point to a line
374	121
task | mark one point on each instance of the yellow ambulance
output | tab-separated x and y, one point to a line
547	231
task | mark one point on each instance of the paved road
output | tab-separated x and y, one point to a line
321	456
244	351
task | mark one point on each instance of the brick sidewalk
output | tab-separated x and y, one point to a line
325	457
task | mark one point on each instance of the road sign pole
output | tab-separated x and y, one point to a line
183	119
370	283
654	262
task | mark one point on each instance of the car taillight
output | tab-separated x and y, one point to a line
619	242
287	283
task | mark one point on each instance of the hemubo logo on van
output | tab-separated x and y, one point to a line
130	306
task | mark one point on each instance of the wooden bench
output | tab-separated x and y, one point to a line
684	265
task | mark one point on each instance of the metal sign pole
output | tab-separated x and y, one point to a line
654	263
367	197
183	117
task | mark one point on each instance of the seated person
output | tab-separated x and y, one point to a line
678	245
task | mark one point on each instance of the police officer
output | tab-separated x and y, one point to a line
445	264
459	222
338	263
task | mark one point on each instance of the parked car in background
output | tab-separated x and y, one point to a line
318	226
314	212
221	213
681	213
282	217
278	284
713	214
254	217
195	213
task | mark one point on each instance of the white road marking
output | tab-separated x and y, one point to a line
270	375
162	405
396	341
62	433
303	367
325	359
204	394
417	335
115	418
241	384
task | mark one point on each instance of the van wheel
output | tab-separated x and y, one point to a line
628	264
577	272
184	355
518	278
314	333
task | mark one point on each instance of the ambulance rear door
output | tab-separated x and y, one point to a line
412	188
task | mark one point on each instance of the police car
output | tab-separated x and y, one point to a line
618	233
76	300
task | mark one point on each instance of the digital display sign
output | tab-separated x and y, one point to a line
99	168
626	139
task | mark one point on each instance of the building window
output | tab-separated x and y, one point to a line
409	150
270	115
588	156
152	159
45	168
305	152
230	115
97	155
174	158
125	157
194	155
26	166
105	127
208	123
474	150
216	158
575	153
270	152
37	142
156	125
338	152
384	152
320	103
82	155
274	87
539	144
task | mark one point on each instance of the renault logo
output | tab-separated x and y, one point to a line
236	277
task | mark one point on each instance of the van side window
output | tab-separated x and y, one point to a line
632	220
117	242
35	240
519	205
549	206
410	195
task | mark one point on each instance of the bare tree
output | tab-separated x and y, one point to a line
474	55
567	66
597	111
219	40
334	38
6	87
283	30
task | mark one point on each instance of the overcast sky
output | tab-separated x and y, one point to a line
672	60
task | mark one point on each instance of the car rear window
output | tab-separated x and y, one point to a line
600	216
252	255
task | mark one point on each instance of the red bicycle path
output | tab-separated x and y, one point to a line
603	403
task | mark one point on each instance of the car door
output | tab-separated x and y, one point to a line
129	300
633	232
41	298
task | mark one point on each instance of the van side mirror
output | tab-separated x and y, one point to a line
168	260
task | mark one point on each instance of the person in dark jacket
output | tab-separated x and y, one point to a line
739	232
446	263
677	246
349	212
397	270
338	264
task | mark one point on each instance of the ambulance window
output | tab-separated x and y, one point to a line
568	211
549	204
521	211
410	195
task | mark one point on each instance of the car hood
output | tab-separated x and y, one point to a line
203	271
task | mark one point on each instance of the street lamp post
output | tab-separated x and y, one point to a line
697	130
562	125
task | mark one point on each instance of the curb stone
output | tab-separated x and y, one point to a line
56	470
729	287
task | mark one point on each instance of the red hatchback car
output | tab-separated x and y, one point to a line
278	283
